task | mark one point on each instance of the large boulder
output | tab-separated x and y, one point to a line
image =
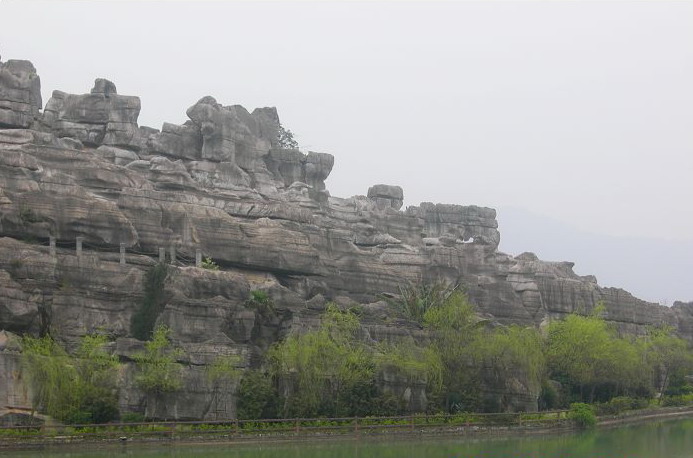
386	196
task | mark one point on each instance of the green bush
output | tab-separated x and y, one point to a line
261	301
677	401
620	404
209	264
132	417
257	397
582	415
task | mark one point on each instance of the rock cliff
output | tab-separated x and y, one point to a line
82	168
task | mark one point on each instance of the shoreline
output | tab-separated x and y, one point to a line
383	433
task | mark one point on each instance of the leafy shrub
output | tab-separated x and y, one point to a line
209	264
677	401
257	397
415	299
261	301
620	404
582	415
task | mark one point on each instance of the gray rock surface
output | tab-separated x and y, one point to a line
20	94
386	196
221	184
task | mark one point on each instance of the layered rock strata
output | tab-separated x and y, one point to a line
221	183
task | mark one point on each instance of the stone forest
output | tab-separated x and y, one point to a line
203	271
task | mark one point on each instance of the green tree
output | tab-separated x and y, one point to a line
586	353
454	326
159	371
670	357
285	138
73	389
509	353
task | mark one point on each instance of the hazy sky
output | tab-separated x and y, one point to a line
581	111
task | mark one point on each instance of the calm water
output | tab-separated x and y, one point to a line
672	439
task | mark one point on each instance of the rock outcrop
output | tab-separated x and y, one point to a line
222	184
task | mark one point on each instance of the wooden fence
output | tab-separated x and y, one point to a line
472	423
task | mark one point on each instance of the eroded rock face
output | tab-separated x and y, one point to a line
221	183
20	94
101	117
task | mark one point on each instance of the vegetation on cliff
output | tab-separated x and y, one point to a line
336	370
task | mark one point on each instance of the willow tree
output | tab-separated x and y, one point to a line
74	389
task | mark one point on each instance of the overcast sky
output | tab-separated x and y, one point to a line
578	111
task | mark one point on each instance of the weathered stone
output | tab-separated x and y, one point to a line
20	94
386	196
118	156
220	184
180	142
101	117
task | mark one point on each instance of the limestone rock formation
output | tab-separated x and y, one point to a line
20	93
220	183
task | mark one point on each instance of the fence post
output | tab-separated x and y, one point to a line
411	422
356	425
162	255
236	426
198	258
122	254
51	246
79	246
296	426
172	251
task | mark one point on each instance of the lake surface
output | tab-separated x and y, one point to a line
668	439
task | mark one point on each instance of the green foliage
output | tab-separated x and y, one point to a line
257	397
671	359
80	389
582	415
454	328
209	264
224	369
549	397
416	299
586	353
508	353
159	372
285	138
260	301
132	417
677	401
153	302
620	404
329	371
